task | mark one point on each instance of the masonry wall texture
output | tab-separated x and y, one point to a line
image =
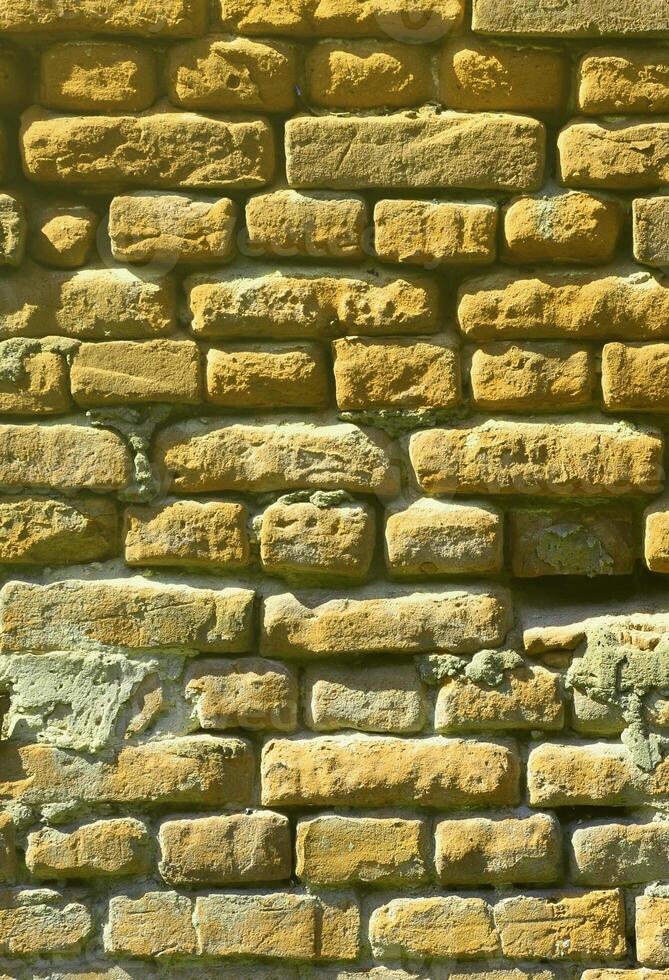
334	525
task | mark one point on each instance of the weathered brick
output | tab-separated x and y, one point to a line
13	226
137	616
528	377
14	84
306	540
210	534
435	537
622	974
481	75
592	774
585	926
39	383
429	20
656	535
619	853
371	770
201	770
97	76
572	541
479	151
165	148
610	304
223	73
228	850
125	372
580	18
166	228
267	376
652	930
89	304
398	373
635	377
617	155
367	699
44	531
63	236
528	698
318	225
106	848
251	693
368	75
432	233
595	718
37	922
445	928
479	850
458	621
627	80
345	851
174	18
562	227
154	924
252	301
651	230
202	456
281	926
8	853
62	457
552	458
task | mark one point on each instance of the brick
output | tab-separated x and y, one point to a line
318	225
14	88
572	541
652	930
366	699
444	928
483	76
38	385
225	850
477	152
435	537
460	621
596	774
586	926
38	922
366	74
552	458
267	376
164	148
168	228
44	531
281	926
308	541
372	770
528	377
98	76
13	226
634	377
656	535
622	974
203	456
588	305
616	154
619	853
222	73
62	457
174	18
209	535
591	717
87	304
135	616
562	227
347	851
154	924
124	372
581	18
651	230
63	236
251	693
529	699
106	848
399	373
201	770
627	80
433	233
255	302
8	853
430	19
479	850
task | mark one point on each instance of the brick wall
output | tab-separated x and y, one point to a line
334	376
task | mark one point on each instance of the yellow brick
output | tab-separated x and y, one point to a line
612	80
635	377
445	928
211	534
62	457
652	930
100	76
124	372
63	236
101	849
515	377
620	853
13	223
614	155
529	698
174	18
38	922
318	225
14	89
155	924
570	227
367	75
8	853
367	699
656	535
39	530
277	376
41	387
581	18
432	233
251	693
650	218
